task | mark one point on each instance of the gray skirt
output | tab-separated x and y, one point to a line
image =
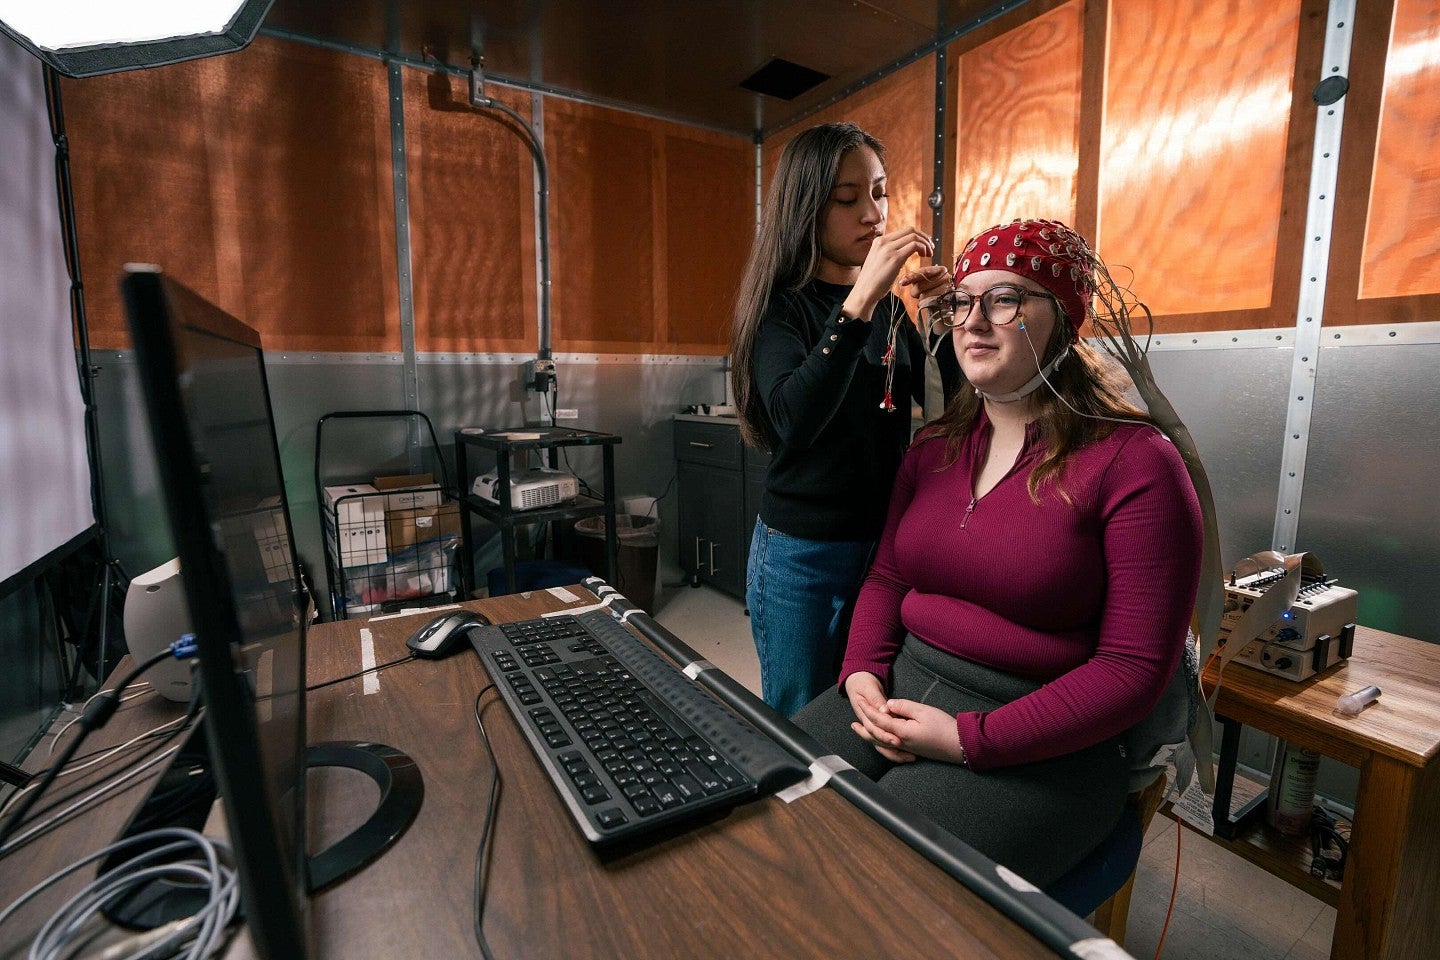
1039	819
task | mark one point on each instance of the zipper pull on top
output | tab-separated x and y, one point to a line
968	510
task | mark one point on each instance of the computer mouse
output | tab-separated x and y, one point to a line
444	635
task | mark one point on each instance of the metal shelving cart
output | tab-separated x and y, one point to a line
505	445
391	545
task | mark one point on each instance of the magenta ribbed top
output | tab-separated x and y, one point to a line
1091	597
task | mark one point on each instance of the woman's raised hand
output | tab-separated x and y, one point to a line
882	265
928	281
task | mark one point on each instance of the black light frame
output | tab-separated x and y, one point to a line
91	61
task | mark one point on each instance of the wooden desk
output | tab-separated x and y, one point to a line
1386	904
813	878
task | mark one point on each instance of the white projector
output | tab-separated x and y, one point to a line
529	489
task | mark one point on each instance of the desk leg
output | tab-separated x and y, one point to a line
1227	824
1387	906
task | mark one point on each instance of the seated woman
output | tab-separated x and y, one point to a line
1029	599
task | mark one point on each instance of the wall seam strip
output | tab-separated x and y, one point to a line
411	377
1319	226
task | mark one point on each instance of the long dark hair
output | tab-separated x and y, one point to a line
786	251
1092	384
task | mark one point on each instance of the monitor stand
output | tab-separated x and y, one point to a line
185	793
401	792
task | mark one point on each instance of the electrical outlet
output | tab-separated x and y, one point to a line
567	413
537	375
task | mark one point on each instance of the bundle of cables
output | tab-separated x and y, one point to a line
173	855
176	855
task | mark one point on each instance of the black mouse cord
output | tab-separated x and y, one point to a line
360	673
482	862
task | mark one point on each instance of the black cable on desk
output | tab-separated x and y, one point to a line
164	737
100	709
1032	910
482	874
360	673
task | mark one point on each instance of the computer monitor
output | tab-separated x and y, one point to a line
208	403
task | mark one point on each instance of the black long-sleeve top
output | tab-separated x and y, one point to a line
821	380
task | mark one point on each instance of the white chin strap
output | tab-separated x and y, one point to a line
1030	386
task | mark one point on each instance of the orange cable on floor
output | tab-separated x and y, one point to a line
1174	887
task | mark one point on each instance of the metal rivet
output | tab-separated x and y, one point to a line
825	350
834	336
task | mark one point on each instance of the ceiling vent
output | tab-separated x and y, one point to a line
783	79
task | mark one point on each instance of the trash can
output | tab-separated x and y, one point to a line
536	575
638	548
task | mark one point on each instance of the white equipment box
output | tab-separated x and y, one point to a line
529	489
1317	632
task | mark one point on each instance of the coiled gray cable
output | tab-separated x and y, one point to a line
193	938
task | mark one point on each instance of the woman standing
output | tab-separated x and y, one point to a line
826	364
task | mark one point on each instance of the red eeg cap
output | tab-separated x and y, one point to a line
1045	251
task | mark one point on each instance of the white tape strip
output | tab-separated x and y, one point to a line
820	773
371	680
563	594
1099	949
1015	880
698	667
412	612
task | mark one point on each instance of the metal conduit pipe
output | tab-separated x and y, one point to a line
480	101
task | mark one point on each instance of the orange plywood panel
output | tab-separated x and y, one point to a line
899	111
1017	125
1402	228
309	213
142	184
1193	150
472	219
603	167
709	219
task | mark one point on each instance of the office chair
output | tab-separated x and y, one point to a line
1103	882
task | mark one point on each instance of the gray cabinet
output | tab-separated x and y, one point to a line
719	483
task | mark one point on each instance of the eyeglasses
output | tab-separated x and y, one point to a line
999	305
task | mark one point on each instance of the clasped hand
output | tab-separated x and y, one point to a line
901	730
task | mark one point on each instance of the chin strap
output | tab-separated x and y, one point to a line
1032	384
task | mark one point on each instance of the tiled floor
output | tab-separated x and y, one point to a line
1225	907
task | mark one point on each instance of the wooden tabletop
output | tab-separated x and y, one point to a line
816	877
1403	724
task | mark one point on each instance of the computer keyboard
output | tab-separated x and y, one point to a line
631	744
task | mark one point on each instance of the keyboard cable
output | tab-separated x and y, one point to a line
360	673
482	872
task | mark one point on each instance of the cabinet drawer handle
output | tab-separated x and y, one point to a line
713	571
702	446
697	554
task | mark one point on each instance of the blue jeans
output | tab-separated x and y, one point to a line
801	594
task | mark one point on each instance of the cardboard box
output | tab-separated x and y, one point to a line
360	523
405	528
412	491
